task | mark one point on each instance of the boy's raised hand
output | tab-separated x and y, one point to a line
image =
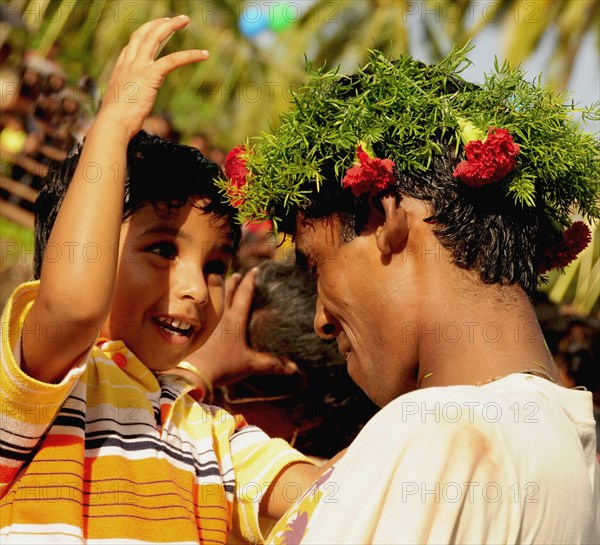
91	212
137	76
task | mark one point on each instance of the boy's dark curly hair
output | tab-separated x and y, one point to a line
159	172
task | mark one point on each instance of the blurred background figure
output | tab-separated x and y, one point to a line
161	125
203	142
574	342
258	242
41	116
320	409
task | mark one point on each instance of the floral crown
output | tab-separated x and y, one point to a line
392	116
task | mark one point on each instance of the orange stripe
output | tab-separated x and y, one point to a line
62	440
7	474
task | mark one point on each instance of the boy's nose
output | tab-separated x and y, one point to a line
325	325
190	284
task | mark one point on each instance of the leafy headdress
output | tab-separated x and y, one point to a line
509	139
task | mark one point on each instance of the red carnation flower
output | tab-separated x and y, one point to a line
488	161
560	254
371	175
235	166
264	226
237	171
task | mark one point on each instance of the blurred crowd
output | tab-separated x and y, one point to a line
44	112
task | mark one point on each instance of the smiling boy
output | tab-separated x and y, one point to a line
97	445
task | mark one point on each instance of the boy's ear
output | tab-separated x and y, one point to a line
392	230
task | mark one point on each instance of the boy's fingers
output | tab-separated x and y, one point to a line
242	300
289	367
147	38
120	58
265	363
158	36
138	37
171	62
230	286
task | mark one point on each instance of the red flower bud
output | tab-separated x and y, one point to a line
237	171
560	254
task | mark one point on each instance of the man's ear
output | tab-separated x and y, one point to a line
391	235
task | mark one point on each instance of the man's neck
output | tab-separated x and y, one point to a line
478	342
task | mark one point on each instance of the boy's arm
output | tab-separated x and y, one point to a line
276	501
76	291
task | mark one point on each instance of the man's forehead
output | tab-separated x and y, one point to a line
312	235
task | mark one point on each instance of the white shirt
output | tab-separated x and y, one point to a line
513	461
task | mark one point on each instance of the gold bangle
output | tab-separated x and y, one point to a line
208	387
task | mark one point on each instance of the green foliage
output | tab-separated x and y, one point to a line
405	111
217	97
243	88
12	234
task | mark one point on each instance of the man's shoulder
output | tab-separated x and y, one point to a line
517	407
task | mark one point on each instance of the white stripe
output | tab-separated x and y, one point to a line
26	534
62	534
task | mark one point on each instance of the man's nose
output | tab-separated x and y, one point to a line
326	326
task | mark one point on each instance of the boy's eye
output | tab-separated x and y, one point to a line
216	266
168	250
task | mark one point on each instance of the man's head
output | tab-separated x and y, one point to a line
378	292
529	163
404	183
176	242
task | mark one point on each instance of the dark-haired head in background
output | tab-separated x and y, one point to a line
320	409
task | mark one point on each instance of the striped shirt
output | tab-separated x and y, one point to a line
115	454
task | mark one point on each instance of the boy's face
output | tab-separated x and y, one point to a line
170	283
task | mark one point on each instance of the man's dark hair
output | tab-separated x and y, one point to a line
483	228
281	322
159	172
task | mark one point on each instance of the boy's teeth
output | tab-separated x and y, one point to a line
176	324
